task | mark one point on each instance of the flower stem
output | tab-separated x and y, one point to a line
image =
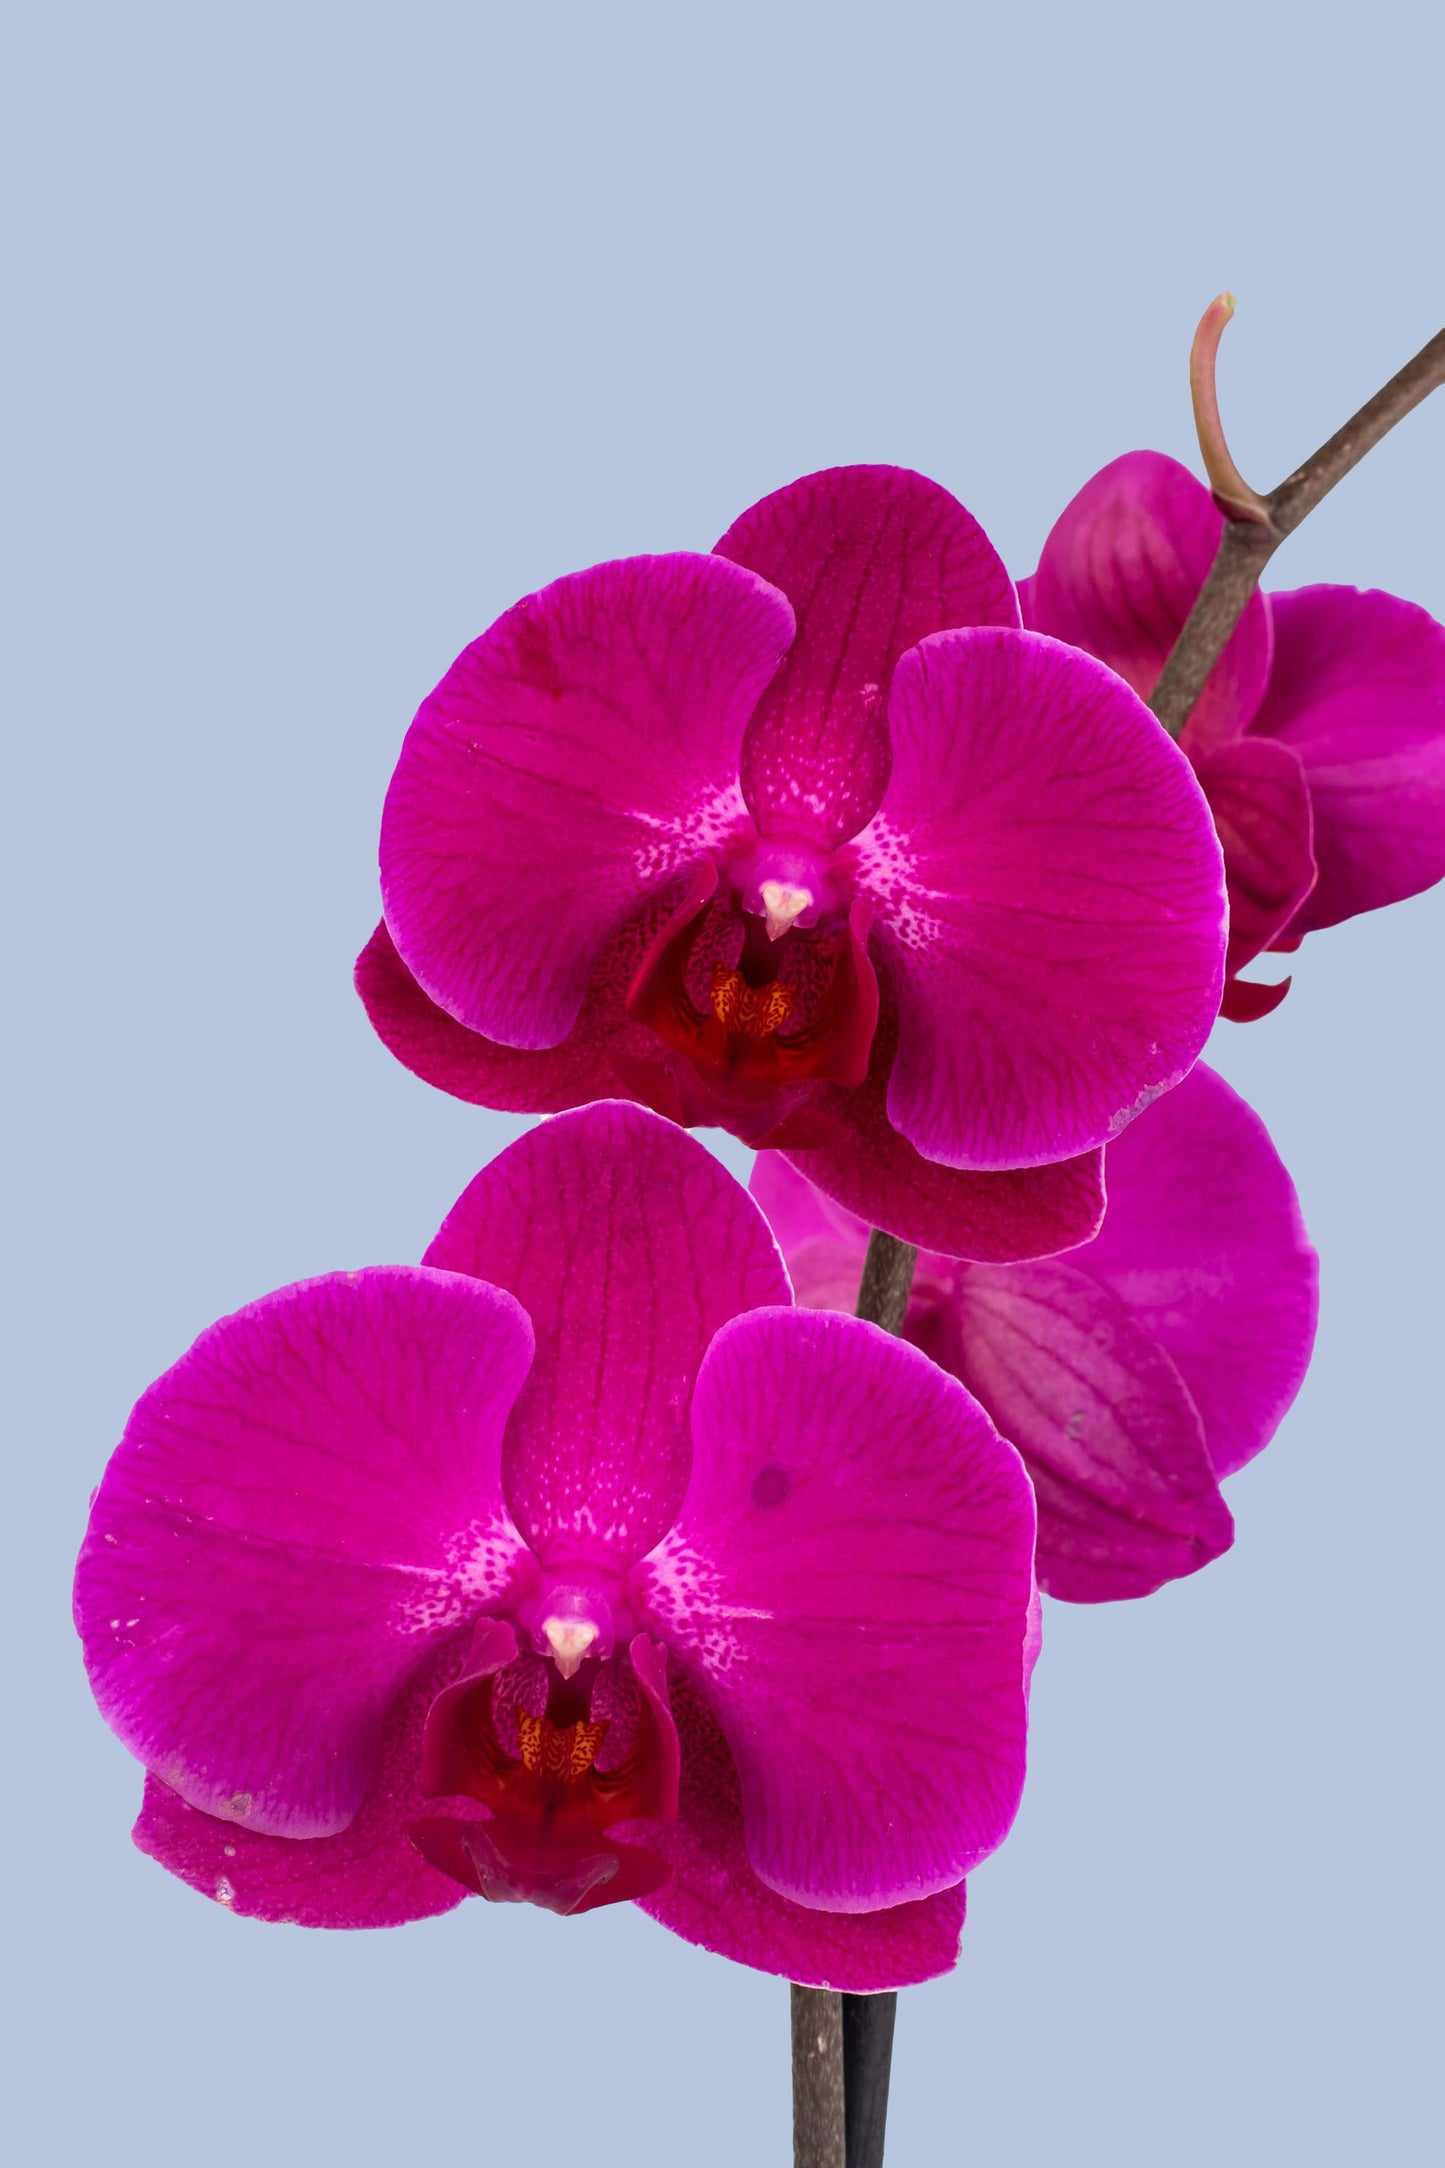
1255	526
843	2044
817	2018
868	2020
887	1280
867	2063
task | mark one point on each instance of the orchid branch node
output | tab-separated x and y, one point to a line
1233	495
1254	526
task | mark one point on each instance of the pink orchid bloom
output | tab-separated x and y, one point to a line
1134	1373
573	1565
1319	739
809	840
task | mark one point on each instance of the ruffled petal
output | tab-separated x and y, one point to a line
715	1899
628	1245
871	559
1119	575
1050	901
368	1875
577	755
850	1577
1204	1242
297	1511
1358	692
435	1047
1127	1497
1261	806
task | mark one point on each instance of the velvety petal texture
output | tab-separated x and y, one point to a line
369	1874
1127	1497
579	753
628	1245
1349	684
1119	574
1204	1241
874	1172
1050	902
1261	805
872	560
851	1573
297	1511
1358	694
714	1897
435	1047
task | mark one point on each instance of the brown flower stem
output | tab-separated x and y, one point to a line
887	1280
817	2018
1254	525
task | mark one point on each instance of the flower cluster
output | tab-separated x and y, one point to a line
580	1563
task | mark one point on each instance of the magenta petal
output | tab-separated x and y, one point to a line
1119	575
297	1510
1261	806
579	753
1358	692
714	1898
850	1576
435	1047
1127	1497
824	1245
1245	1001
368	1875
870	1171
1050	902
1022	1212
800	1213
1204	1242
872	559
628	1245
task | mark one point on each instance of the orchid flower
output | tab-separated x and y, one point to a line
807	839
1319	739
572	1566
1134	1373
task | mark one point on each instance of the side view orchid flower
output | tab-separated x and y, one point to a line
1319	739
809	840
572	1566
1134	1373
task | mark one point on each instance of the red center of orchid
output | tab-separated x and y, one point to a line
761	991
524	1741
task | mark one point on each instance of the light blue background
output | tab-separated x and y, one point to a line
335	329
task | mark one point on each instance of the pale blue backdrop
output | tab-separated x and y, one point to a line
333	329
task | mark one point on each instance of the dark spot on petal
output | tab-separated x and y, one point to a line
770	1486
